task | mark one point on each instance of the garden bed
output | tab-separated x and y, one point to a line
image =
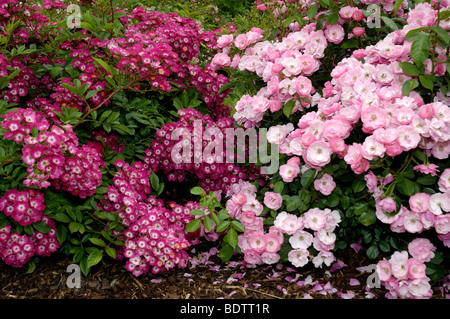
206	281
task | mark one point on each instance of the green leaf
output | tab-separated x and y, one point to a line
193	225
358	185
61	234
238	226
408	86
390	23
111	252
197	212
312	11
41	227
372	252
308	177
360	207
426	81
427	180
207	222
94	258
420	49
232	237
397	5
278	187
331	17
97	241
103	64
198	191
226	252
61	217
409	68
368	218
288	107
223	226
442	34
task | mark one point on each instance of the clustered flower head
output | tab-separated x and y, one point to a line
425	211
131	187
257	245
404	274
314	229
53	154
283	65
25	207
16	249
157	240
161	48
214	172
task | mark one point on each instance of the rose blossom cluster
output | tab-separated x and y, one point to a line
257	245
322	223
284	65
155	236
157	239
404	274
24	207
161	47
16	249
214	172
425	211
366	88
126	196
314	229
53	154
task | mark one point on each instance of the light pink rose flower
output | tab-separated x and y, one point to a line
421	249
420	288
335	33
257	243
325	185
298	257
442	224
241	41
252	257
315	219
225	40
408	138
399	266
269	258
318	154
273	200
301	239
289	172
384	270
273	242
416	269
439	203
412	222
420	202
220	60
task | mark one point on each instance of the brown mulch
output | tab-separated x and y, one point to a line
112	281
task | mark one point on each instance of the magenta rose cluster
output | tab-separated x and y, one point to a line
404	273
53	154
24	207
16	249
214	175
157	240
